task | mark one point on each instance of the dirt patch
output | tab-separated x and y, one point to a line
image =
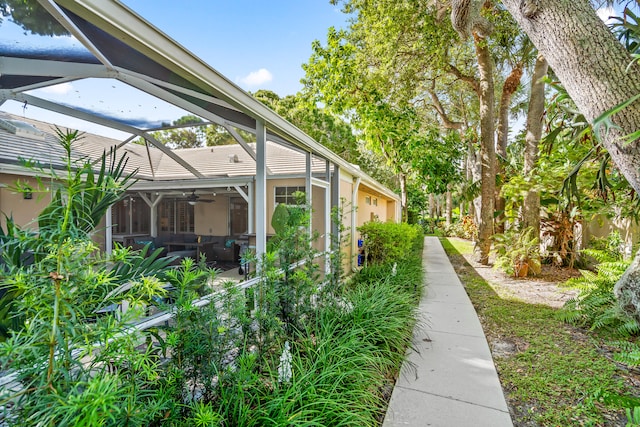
541	289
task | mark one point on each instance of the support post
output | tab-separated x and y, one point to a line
261	190
108	233
308	189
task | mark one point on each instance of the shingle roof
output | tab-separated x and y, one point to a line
213	162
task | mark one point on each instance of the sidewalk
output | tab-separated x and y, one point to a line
449	378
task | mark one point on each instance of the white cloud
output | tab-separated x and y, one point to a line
605	13
256	78
60	89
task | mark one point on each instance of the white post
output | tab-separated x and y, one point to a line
261	190
308	188
251	209
108	233
327	217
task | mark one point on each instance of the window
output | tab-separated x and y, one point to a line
367	200
175	216
375	202
239	215
130	216
286	195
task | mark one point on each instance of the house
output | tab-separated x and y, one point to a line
110	56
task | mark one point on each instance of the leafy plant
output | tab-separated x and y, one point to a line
72	365
596	306
386	242
517	252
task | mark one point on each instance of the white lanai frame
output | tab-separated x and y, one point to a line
123	44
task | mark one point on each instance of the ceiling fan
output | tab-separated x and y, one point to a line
193	198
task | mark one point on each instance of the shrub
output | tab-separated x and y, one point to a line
387	242
517	252
596	306
466	228
62	377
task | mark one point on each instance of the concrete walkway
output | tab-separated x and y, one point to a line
449	378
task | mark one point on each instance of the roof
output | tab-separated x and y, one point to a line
38	142
111	47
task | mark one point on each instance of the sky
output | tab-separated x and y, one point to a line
255	44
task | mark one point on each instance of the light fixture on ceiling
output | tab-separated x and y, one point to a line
192	202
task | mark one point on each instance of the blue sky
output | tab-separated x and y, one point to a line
256	44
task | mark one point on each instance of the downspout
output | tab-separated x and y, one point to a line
354	241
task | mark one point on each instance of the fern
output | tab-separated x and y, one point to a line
596	306
629	353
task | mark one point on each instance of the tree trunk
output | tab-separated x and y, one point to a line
448	212
403	196
502	133
531	205
487	148
474	174
594	68
432	206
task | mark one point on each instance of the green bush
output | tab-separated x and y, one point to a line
596	306
62	376
341	359
387	242
466	228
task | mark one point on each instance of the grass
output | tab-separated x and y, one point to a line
343	363
558	375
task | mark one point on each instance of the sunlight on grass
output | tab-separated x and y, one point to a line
459	245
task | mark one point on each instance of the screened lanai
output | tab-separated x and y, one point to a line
97	66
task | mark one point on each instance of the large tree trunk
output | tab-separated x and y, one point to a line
487	149
403	196
594	68
502	133
531	205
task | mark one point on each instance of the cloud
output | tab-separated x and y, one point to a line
59	89
605	13
256	78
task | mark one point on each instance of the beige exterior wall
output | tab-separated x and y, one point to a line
212	219
24	212
602	226
371	206
271	195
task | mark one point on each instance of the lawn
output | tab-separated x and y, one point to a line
552	373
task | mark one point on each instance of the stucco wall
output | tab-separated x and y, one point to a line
212	219
13	204
371	206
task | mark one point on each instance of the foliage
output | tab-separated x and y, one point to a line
201	339
330	130
466	228
341	358
32	17
72	365
343	350
596	306
517	250
387	242
192	132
